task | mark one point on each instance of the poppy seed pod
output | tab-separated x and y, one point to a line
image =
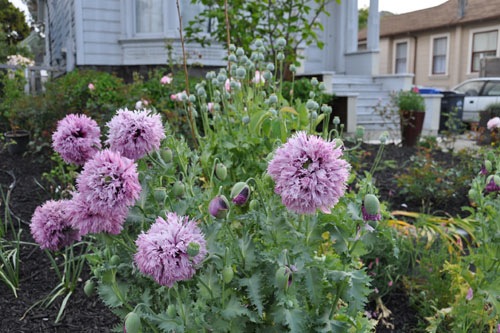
178	189
193	249
220	171
160	194
218	207
240	193
371	208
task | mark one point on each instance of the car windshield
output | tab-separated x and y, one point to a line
472	88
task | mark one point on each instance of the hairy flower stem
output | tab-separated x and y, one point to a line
378	158
192	124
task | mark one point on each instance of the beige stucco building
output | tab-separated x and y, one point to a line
442	46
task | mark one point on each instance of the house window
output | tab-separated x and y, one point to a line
439	46
149	16
484	44
401	57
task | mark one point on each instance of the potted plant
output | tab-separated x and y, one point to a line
411	109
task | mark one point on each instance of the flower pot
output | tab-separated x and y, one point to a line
411	127
17	141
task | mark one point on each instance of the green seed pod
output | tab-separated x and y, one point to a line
115	260
227	274
178	189
171	311
372	204
160	194
220	171
89	288
193	249
132	323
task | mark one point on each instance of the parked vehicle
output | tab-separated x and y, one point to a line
479	94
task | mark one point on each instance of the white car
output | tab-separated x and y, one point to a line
479	94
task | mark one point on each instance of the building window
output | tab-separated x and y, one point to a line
484	44
148	16
439	49
401	58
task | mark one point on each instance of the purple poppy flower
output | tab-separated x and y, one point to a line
77	138
162	252
108	181
309	174
50	225
135	133
89	221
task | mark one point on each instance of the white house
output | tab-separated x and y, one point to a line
110	34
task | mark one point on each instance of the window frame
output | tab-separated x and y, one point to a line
472	33
433	55
395	59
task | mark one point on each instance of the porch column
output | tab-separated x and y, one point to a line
373	28
352	26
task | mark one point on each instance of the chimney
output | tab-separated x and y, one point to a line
462	7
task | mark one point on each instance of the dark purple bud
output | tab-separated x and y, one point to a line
218	207
240	193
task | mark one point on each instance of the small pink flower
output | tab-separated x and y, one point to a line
390	283
210	107
493	123
258	78
141	104
91	86
167	79
377	260
470	294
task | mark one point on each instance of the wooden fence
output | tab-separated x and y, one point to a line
36	76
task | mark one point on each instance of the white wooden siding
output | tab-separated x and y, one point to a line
100	32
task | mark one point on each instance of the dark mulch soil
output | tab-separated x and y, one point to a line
37	279
84	314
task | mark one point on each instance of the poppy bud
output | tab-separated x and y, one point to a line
132	323
220	171
171	311
492	183
166	155
114	260
227	274
178	189
218	207
281	278
240	193
89	288
371	208
488	165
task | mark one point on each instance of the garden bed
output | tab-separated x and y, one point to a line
82	313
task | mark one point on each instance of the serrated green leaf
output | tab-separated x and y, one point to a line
234	309
253	285
313	285
108	295
295	320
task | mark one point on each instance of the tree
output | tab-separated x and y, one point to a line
14	23
295	20
363	18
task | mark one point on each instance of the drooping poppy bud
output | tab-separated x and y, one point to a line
220	171
218	207
492	183
240	193
89	288
132	323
